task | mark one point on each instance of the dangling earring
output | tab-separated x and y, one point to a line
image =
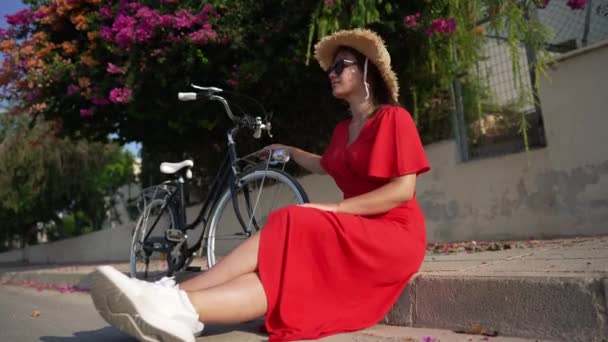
365	79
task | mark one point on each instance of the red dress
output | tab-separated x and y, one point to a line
326	273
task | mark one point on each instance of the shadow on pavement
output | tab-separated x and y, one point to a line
115	335
252	327
99	335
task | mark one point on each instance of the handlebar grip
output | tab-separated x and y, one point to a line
187	96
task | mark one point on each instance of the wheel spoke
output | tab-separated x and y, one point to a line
265	189
147	257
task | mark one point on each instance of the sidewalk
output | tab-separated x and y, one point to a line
552	289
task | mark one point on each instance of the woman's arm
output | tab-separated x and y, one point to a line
381	200
307	160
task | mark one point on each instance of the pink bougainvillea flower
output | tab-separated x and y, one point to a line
441	25
450	26
106	12
411	21
203	35
115	69
166	20
106	33
329	2
120	95
86	112
183	19
208	8
23	17
100	101
577	4
123	29
73	89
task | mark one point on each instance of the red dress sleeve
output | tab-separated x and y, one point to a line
397	149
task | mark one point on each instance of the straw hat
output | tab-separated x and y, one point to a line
368	43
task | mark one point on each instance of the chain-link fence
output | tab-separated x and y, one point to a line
496	109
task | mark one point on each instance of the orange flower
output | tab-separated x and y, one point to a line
31	63
84	82
7	45
80	21
39	36
89	61
49	19
91	35
21	84
87	93
95	2
5	77
64	6
69	48
45	50
27	50
6	73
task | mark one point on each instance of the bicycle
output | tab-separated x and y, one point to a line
231	212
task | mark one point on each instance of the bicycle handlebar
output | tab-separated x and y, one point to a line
256	124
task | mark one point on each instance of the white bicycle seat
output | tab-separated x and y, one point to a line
171	168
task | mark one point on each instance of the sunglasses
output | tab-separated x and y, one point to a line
339	66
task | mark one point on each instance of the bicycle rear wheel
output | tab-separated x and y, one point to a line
151	257
258	193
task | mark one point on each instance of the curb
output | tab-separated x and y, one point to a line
557	308
554	308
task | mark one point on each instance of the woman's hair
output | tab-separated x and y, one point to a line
377	84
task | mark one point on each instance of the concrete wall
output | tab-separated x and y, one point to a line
560	190
104	245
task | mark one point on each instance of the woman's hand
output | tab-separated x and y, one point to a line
307	160
331	207
277	147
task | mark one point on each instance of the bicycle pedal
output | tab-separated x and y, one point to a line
193	268
174	235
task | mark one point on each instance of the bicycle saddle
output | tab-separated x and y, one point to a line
171	168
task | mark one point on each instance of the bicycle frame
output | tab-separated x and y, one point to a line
175	242
227	175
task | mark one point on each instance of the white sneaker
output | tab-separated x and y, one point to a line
164	282
169	282
150	312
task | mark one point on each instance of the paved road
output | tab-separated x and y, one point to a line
63	317
50	316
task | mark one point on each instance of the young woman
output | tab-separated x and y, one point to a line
320	268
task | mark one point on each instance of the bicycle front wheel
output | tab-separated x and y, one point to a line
257	194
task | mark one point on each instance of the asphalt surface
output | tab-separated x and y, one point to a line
27	314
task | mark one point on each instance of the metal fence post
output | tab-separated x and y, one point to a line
531	58
587	24
457	116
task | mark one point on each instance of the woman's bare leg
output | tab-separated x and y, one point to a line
239	300
242	260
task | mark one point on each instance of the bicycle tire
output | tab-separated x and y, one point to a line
224	220
159	263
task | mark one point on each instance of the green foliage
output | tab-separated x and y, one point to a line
42	175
